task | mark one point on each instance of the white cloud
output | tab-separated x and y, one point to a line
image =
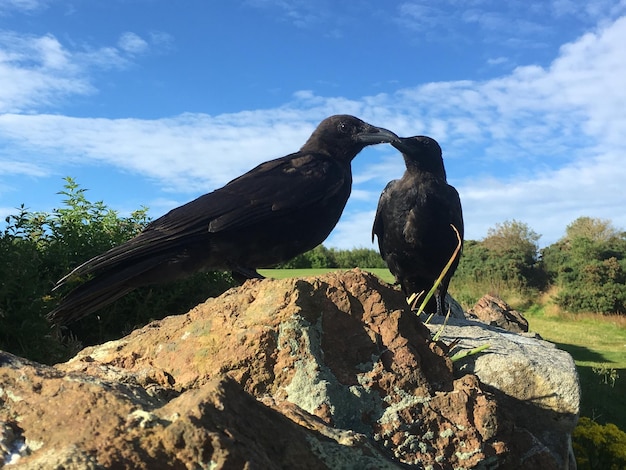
549	201
498	61
8	167
132	43
38	71
386	168
22	5
353	231
161	40
593	10
188	151
301	13
548	141
560	132
516	25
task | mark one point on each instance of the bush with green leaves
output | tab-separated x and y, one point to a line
589	267
38	248
598	446
359	258
504	263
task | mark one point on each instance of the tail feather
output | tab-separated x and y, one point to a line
146	245
84	300
106	287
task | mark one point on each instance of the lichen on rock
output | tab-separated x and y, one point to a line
332	371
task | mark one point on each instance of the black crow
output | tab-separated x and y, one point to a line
268	215
414	221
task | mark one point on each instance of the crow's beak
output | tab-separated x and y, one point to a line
376	135
402	144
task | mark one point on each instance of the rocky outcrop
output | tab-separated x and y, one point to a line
324	372
531	378
494	311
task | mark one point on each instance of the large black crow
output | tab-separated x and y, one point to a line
413	221
268	215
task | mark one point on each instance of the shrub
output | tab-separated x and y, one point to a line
590	273
38	248
599	446
485	270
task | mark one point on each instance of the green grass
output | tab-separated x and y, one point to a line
592	341
598	346
383	273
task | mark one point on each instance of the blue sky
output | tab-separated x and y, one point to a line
154	102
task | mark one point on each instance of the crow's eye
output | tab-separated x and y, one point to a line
343	127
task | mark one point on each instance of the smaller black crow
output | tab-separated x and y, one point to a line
414	221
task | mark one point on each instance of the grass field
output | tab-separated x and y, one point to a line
598	346
383	273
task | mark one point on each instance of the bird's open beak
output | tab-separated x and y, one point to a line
377	135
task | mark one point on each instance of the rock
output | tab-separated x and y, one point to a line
323	372
536	382
213	426
494	311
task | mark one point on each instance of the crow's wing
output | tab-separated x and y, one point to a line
268	191
378	228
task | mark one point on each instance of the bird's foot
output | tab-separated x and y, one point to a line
241	274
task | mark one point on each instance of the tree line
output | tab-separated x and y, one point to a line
585	271
586	268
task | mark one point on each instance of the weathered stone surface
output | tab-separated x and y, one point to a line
325	372
104	424
536	382
494	311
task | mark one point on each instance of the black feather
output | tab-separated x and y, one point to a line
268	215
413	221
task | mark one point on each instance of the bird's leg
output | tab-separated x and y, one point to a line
241	274
439	301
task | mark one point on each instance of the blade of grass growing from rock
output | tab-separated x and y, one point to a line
415	297
469	352
439	280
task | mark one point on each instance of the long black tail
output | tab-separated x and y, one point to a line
85	299
105	287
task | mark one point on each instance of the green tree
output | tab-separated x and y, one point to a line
588	266
22	329
38	248
504	263
590	275
322	257
598	230
359	258
515	240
